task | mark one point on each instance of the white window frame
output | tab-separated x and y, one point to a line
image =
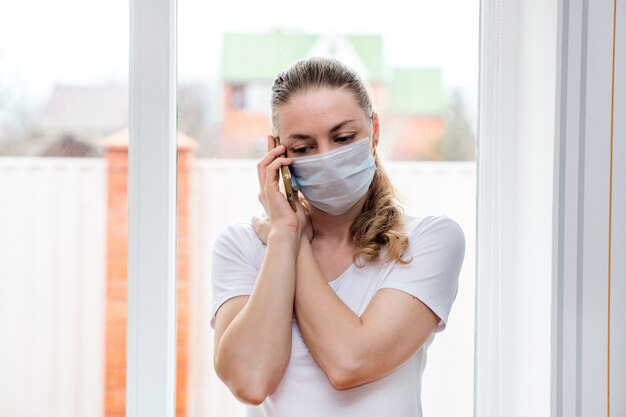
514	207
589	271
151	331
506	383
551	276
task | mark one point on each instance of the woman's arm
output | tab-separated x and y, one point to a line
354	350
253	334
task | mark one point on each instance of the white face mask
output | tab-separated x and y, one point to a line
334	181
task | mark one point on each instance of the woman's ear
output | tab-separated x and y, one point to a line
375	129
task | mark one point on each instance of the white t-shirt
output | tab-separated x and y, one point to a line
436	245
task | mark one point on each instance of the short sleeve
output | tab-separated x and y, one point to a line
233	266
436	250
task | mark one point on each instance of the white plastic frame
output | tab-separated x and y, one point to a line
151	345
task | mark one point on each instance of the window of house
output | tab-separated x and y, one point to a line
63	217
422	70
64	169
238	97
64	173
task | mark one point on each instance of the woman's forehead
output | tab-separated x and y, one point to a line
319	108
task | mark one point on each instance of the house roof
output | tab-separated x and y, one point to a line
260	56
417	91
95	108
68	146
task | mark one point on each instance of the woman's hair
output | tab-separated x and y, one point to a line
318	72
380	225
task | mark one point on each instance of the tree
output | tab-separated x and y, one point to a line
458	141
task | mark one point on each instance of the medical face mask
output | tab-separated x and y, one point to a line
334	181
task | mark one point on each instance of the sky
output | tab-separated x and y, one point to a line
44	42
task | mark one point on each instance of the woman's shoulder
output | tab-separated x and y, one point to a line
433	226
236	230
240	235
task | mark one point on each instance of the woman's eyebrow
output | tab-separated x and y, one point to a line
305	136
298	136
340	125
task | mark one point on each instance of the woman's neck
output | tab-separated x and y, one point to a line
335	228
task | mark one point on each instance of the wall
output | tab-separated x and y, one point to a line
52	252
52	282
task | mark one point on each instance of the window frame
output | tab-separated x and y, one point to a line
514	207
151	345
152	159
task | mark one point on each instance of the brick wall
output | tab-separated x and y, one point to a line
243	132
116	151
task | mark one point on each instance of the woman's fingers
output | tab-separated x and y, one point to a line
271	143
262	228
274	202
272	172
271	155
268	179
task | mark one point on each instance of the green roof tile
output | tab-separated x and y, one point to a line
417	91
253	57
370	49
260	56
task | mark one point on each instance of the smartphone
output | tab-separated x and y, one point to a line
286	174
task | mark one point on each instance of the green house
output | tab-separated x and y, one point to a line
417	91
256	58
253	57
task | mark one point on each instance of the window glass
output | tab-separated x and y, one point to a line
420	60
63	216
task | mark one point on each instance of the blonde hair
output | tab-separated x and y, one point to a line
380	224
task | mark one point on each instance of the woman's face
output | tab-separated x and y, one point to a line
320	120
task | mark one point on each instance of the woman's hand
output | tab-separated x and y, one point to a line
262	226
279	212
303	217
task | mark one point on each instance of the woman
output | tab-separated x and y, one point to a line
329	310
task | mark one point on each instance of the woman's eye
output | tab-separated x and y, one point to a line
300	150
344	139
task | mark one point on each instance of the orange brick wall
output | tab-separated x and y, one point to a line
410	137
116	151
416	137
241	128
